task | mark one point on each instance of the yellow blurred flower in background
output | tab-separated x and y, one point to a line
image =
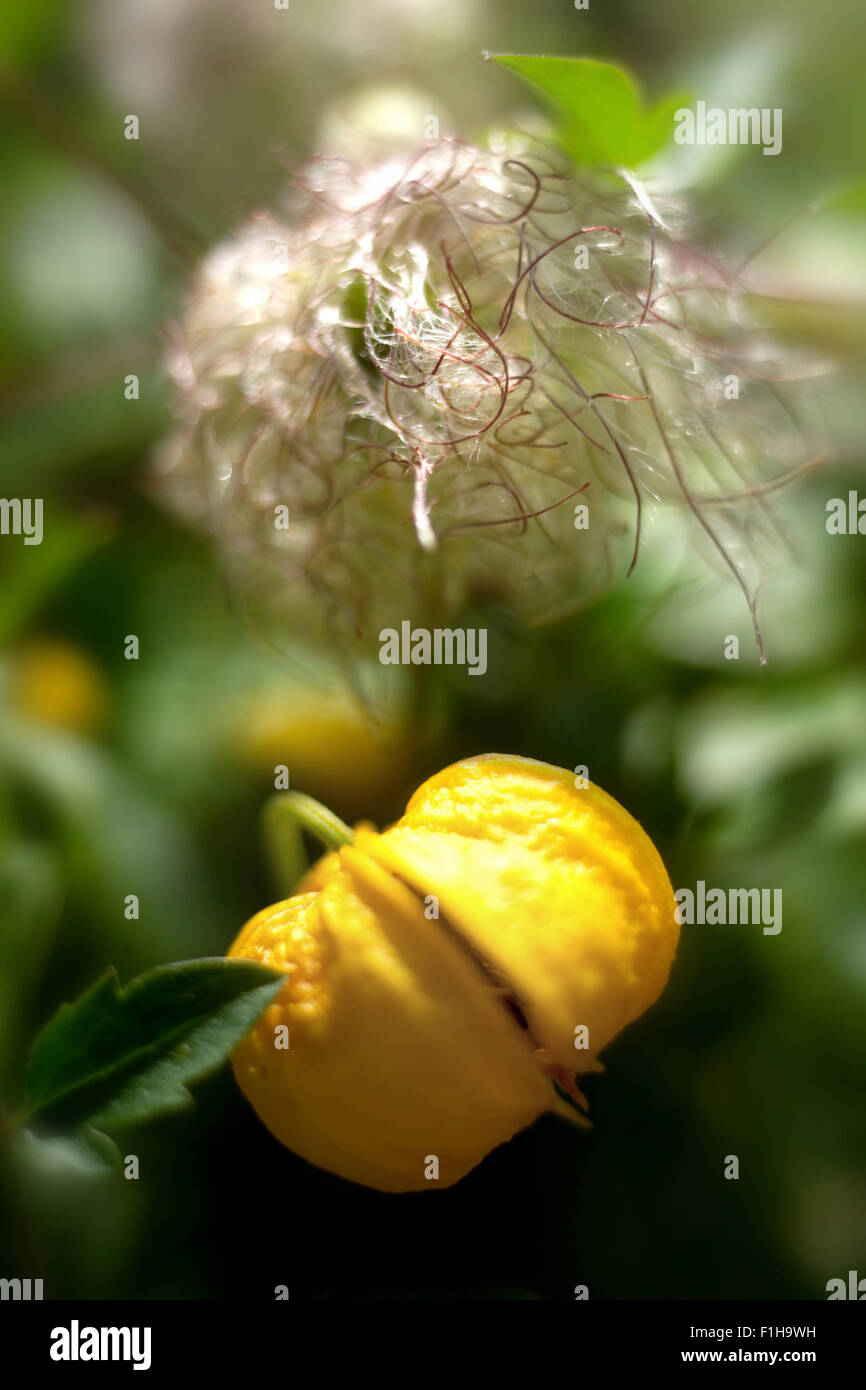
55	682
331	745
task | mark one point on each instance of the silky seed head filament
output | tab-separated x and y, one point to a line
389	397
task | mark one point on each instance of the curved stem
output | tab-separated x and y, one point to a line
285	816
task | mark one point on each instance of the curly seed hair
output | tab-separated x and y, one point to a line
468	374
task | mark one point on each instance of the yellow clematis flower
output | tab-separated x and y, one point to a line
447	978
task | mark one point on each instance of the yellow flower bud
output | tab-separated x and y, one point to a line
448	977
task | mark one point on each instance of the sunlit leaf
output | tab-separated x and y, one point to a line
599	113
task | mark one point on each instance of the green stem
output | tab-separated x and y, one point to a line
285	816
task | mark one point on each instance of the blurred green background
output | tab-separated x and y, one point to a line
147	777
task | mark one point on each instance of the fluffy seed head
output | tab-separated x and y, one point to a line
392	399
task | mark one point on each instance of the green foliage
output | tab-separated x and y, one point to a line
31	575
741	776
599	112
121	1055
84	1153
115	836
849	198
31	894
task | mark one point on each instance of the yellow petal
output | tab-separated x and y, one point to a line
558	888
399	1047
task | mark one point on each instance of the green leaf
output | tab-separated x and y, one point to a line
599	112
848	198
100	1148
120	1055
85	1153
658	124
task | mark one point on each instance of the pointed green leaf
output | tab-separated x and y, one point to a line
120	1055
598	110
658	124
